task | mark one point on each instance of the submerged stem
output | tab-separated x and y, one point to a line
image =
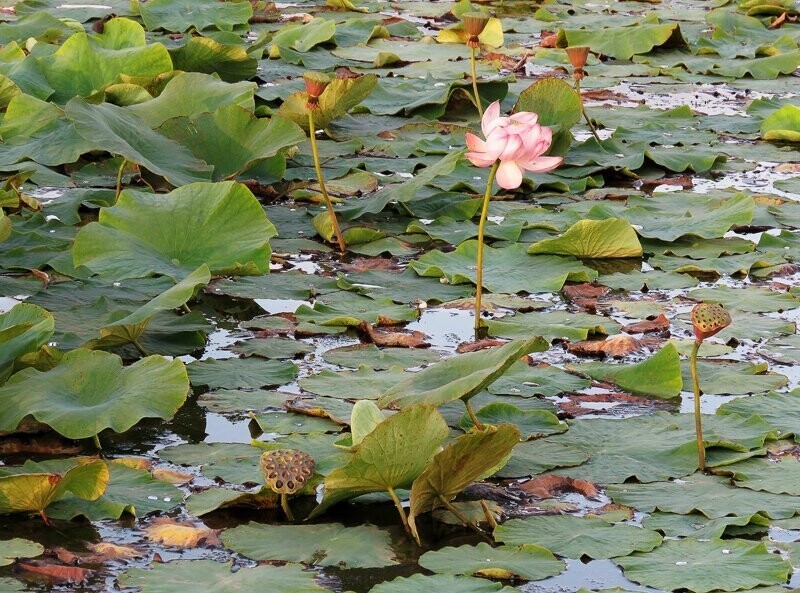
119	177
475	81
701	449
479	280
400	510
285	506
321	180
478	424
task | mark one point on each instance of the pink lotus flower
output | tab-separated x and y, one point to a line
517	141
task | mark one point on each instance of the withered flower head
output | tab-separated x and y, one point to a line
286	470
709	319
474	24
316	83
577	57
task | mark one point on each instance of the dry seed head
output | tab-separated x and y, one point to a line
474	24
286	470
709	319
577	57
316	83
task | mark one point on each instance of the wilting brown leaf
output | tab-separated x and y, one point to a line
40	445
479	345
58	572
587	305
108	551
615	346
652	324
171	476
302	405
551	485
548	40
362	264
585	290
607	95
684	181
612	512
414	339
180	535
788	168
135	462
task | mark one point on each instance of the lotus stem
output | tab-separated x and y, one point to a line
285	506
402	512
592	129
698	425
119	178
473	417
461	517
472	51
321	180
96	441
488	514
479	284
140	348
45	518
186	308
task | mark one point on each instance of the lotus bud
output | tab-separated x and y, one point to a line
316	83
474	24
709	319
286	471
577	57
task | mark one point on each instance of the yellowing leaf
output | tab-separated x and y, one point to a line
179	535
492	35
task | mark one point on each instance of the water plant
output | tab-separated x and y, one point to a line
286	471
474	24
511	146
708	319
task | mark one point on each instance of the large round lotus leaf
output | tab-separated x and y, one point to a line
504	562
11	549
229	462
781	410
441	583
783	125
779	476
180	15
25	328
700	527
328	544
469	458
535	457
215	577
715	565
341	95
274	347
527	381
557	104
90	391
751	298
459	377
712	496
621	42
553	325
364	383
349	309
610	238
26	489
241	373
392	456
218	224
531	423
733	377
380	358
574	537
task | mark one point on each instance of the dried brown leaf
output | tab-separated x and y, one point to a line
652	324
551	485
615	346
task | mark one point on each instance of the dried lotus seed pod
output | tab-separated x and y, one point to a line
286	470
709	319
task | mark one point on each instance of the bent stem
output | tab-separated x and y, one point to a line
477	423
119	177
488	514
313	134
285	506
701	449
96	441
475	81
140	348
479	284
592	129
461	517
402	512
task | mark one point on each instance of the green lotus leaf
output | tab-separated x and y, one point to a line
22	490
781	476
783	125
537	456
291	423
190	94
392	456
371	356
553	325
231	63
469	458
87	63
659	376
734	378
458	377
363	383
524	380
218	577
753	299
23	329
598	239
275	347
531	423
441	583
241	373
700	527
42	26
341	95
303	37
557	104
574	537
218	224
120	131
508	270
90	391
327	544
233	140
349	309
181	15
364	418
715	565
781	410
13	549
623	43
527	561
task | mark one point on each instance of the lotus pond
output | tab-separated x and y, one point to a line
267	325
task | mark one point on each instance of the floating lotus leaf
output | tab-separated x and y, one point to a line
537	456
146	234
729	377
441	583
90	391
779	476
23	329
781	410
783	125
241	373
326	544
553	325
338	98
531	423
700	527
12	549
180	15
526	561
610	238
525	380
376	358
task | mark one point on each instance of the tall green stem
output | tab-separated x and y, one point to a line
484	212
701	448
592	129
119	177
475	80
313	134
402	512
472	416
461	517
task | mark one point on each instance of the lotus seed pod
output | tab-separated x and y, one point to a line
316	83
286	470
474	24
577	57
709	319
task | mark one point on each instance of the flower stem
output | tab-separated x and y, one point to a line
285	507
475	81
472	416
479	280
96	441
701	449
400	510
119	177
592	129
313	135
